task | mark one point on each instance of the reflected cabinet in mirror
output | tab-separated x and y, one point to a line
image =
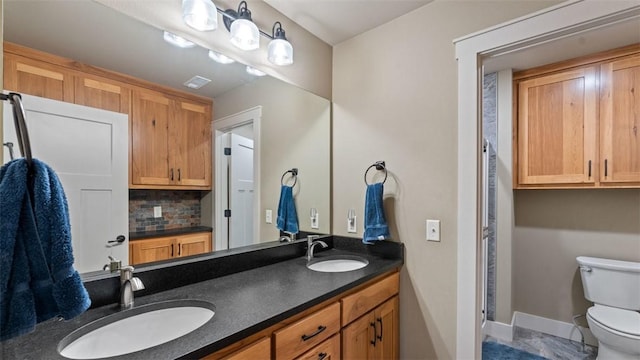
154	168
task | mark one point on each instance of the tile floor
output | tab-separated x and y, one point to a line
549	346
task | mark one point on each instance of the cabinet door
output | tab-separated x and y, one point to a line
150	112
358	338
327	350
194	244
620	121
102	93
260	350
557	128
148	250
386	317
39	78
191	144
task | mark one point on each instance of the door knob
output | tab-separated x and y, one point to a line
119	240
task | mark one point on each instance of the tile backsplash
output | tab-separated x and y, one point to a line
179	209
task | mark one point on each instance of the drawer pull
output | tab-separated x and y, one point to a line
321	328
373	342
381	331
321	356
589	169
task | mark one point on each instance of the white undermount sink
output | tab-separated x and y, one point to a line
136	329
337	263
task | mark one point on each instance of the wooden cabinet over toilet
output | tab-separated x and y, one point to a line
577	124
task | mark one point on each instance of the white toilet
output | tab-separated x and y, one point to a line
614	287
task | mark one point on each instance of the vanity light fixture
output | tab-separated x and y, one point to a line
178	41
254	71
244	32
200	14
280	50
219	58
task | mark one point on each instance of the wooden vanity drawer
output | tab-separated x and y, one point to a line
361	302
328	350
308	332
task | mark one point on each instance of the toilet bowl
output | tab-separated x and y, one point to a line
614	288
617	331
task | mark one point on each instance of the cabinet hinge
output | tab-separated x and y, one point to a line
227	151
227	213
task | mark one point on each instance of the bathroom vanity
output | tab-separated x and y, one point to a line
268	305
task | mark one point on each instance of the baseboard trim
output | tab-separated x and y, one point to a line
498	330
553	327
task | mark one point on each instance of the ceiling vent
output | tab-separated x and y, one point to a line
197	82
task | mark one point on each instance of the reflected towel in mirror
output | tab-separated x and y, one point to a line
287	216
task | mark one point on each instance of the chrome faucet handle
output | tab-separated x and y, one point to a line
113	265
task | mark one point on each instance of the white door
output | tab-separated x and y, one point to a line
241	192
88	150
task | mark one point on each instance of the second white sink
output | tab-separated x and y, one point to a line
337	263
136	329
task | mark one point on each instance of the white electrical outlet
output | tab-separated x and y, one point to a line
433	230
268	216
157	211
315	221
351	224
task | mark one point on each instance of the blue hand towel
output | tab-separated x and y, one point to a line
37	278
287	216
375	224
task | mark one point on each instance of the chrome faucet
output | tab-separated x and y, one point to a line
288	237
128	283
311	244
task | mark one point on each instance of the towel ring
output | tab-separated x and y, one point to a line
294	175
379	165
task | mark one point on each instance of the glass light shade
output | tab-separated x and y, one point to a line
245	34
280	52
200	14
219	58
178	41
254	71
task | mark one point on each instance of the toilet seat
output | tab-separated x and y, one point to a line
624	322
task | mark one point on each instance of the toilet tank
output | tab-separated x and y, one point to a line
611	282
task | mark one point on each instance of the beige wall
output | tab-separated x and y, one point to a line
552	228
295	133
395	99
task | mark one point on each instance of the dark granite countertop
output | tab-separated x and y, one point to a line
169	232
246	302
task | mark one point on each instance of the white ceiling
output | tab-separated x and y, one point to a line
335	21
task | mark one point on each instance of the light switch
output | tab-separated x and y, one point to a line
268	216
433	230
157	211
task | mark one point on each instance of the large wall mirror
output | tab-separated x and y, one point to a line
287	127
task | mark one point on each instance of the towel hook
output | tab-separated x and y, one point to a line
380	166
294	175
21	127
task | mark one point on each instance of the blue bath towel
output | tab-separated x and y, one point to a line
287	216
37	278
375	224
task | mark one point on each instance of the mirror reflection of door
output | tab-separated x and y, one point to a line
236	179
240	164
87	148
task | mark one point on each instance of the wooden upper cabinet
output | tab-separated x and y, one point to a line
150	113
557	128
102	93
170	142
38	78
620	121
191	144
